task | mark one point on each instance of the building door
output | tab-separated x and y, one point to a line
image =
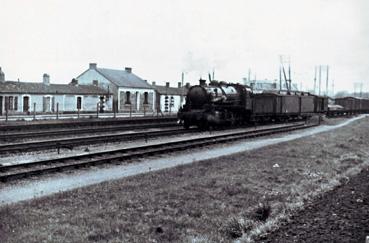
25	103
46	104
1	105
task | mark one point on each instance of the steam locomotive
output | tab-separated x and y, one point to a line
227	104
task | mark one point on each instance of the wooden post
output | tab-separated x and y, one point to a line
57	111
97	110
78	110
130	110
114	111
144	109
34	111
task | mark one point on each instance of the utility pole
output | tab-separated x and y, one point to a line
182	89
332	88
280	78
289	74
326	82
320	77
315	73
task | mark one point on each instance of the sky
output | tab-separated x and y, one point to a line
163	38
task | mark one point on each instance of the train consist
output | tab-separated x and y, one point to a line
227	104
350	105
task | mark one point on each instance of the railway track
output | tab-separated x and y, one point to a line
40	125
69	143
17	171
16	136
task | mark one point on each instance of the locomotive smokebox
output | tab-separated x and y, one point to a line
202	82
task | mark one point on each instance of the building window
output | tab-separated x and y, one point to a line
10	105
146	98
95	82
128	97
79	103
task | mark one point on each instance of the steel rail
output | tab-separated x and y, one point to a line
105	157
11	126
82	130
85	140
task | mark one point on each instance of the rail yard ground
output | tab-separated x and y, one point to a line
243	196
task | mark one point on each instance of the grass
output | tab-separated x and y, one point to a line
241	196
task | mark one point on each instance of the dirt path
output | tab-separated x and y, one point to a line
341	215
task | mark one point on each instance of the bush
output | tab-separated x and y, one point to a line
262	212
232	228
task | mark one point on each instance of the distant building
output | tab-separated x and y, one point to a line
131	93
170	99
44	97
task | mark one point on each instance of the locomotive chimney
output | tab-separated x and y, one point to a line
202	82
167	84
179	84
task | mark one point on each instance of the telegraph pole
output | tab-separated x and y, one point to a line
315	73
332	87
320	77
289	74
280	78
182	89
326	82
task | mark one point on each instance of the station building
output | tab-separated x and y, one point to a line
43	97
170	99
130	92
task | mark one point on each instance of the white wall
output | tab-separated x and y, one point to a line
140	91
90	75
176	103
66	102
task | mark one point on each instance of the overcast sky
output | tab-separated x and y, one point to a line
160	39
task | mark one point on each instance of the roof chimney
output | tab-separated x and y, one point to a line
74	82
179	84
2	76
93	65
153	83
167	84
188	85
128	69
46	79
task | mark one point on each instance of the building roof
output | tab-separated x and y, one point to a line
164	90
123	78
41	88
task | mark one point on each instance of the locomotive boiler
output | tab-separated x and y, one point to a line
216	104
